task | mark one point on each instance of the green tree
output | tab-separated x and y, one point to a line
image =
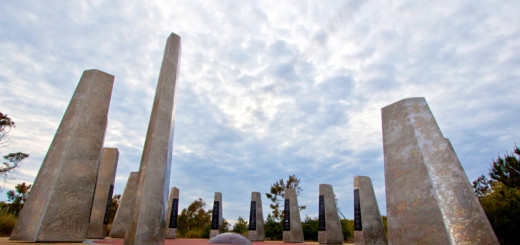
277	193
17	198
194	220
273	228
310	229
12	160
114	205
240	226
507	169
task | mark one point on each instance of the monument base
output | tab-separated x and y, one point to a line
171	233
213	233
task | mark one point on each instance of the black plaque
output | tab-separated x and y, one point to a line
109	202
252	216
173	214
287	216
321	223
215	216
357	212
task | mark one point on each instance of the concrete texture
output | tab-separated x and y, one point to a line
148	224
97	227
58	207
256	230
216	216
124	211
330	232
292	211
171	217
229	238
429	198
372	230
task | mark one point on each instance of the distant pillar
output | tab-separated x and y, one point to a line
256	219
124	211
216	217
171	215
58	207
429	198
100	213
148	224
292	224
368	225
329	226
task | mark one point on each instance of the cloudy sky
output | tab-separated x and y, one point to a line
267	89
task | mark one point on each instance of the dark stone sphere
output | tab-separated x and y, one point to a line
229	238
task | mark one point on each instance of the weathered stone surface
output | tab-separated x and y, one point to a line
256	219
292	227
97	227
371	229
171	217
329	229
229	238
216	218
429	198
148	224
58	207
124	211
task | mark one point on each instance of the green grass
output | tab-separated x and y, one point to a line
7	222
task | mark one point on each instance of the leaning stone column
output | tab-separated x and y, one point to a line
368	225
171	215
216	217
256	219
429	198
329	226
58	207
148	224
97	227
292	225
124	211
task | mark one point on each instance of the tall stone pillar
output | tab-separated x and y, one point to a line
292	224
429	198
100	213
58	207
368	225
124	211
171	215
148	224
216	217
329	226
256	219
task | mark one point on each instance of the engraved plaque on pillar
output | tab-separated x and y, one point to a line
357	212
321	222
215	217
252	216
287	216
109	203
173	214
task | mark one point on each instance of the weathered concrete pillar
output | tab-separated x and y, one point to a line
368	225
58	207
124	211
329	226
292	224
148	224
429	198
171	215
256	218
216	217
100	213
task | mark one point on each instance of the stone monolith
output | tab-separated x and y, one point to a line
292	224
329	226
429	198
216	217
100	213
368	224
171	215
124	211
256	230
148	224
59	205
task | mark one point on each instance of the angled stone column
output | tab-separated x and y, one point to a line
292	224
148	224
58	207
368	224
171	215
216	217
124	211
256	219
329	226
429	198
100	213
